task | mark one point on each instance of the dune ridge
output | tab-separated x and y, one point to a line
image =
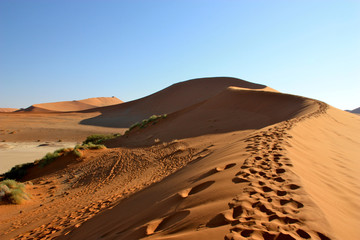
171	99
356	110
239	163
8	109
70	106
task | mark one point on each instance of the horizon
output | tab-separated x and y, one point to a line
71	50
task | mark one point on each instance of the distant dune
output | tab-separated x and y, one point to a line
356	110
232	160
8	109
76	105
168	100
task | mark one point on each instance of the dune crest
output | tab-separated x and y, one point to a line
239	162
76	105
171	99
8	109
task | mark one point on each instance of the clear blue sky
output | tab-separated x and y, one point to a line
53	50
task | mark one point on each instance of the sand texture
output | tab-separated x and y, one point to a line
76	105
8	109
240	161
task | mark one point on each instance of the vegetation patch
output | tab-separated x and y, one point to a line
100	138
13	192
19	171
147	122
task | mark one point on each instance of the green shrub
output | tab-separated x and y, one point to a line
89	145
19	171
146	122
13	192
48	158
100	138
77	153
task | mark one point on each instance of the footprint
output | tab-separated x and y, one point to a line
253	171
237	211
190	191
293	202
293	186
171	220
281	193
266	189
289	220
184	193
244	174
239	180
217	221
303	234
201	187
268	236
280	170
279	179
322	236
284	236
246	233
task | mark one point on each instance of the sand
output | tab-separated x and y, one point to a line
238	163
75	105
14	153
8	109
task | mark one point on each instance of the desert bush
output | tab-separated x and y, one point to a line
17	172
100	138
50	157
89	145
13	192
146	122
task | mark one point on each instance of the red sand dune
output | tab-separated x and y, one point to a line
8	109
232	164
356	110
168	100
76	105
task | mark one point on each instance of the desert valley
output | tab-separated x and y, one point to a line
208	158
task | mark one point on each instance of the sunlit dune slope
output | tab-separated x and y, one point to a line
168	100
233	109
247	184
236	163
76	105
356	110
8	109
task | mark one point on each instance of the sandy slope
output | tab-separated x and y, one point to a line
356	110
76	105
171	99
8	109
29	126
236	164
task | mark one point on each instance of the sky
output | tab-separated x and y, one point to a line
60	50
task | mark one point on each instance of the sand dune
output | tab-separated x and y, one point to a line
233	109
168	100
235	163
76	105
356	110
8	109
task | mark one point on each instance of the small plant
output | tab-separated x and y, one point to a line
13	192
89	145
18	172
100	138
50	157
146	122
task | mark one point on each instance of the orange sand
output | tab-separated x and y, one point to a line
239	162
